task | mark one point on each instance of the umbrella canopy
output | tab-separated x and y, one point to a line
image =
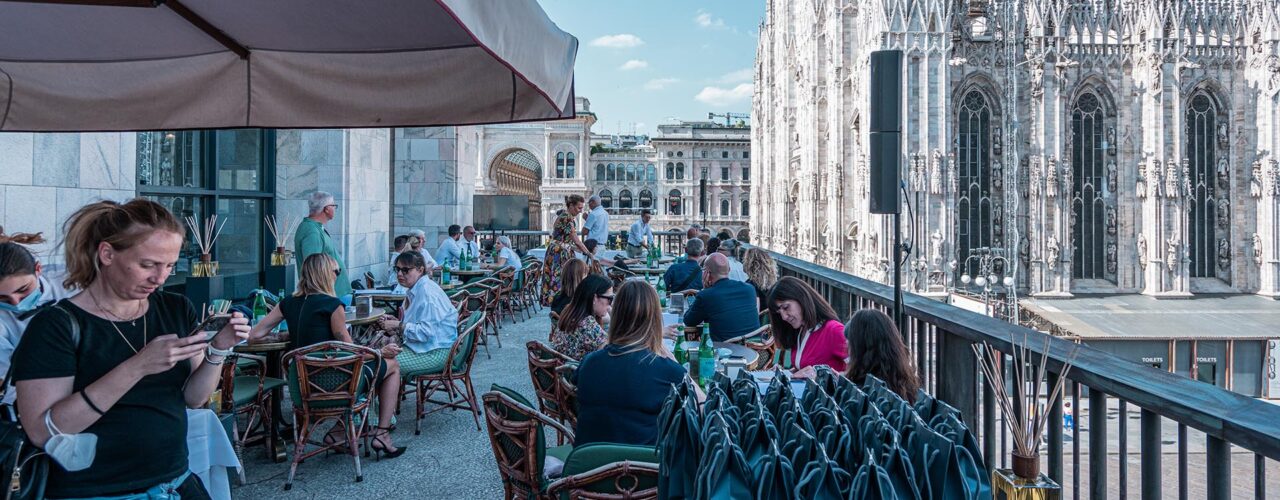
118	65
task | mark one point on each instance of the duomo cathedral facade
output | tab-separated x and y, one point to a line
1092	146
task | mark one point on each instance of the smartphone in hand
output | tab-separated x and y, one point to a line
211	326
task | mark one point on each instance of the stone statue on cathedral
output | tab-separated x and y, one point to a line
1142	251
1255	180
1257	249
1051	178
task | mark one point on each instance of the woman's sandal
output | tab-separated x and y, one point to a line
380	446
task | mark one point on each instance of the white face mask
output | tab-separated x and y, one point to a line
74	452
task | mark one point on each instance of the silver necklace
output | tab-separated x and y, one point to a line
117	328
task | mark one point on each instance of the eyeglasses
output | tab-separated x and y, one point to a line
334	205
337	272
606	297
403	270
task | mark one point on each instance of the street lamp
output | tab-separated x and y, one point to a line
993	273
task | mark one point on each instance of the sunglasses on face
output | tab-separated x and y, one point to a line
606	297
337	272
403	270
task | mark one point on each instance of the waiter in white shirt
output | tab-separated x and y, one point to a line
597	225
640	236
450	252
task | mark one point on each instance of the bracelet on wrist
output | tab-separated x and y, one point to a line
214	351
208	360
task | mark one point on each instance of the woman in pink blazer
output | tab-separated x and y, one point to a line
806	327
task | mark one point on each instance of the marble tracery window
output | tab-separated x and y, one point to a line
1093	214
1208	241
974	199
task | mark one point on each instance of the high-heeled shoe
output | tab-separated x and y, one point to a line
380	447
336	440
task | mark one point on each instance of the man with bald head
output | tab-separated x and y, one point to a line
728	306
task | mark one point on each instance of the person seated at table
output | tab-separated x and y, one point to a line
730	250
419	245
713	246
762	273
622	387
507	256
314	315
25	285
118	360
728	306
687	274
401	244
806	327
579	331
570	275
876	348
450	252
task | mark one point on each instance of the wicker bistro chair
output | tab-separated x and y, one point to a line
518	437
491	291
462	302
246	390
528	295
506	295
567	388
329	381
448	371
543	361
608	471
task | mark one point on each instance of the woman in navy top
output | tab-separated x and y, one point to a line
621	388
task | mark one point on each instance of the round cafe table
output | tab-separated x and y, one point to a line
363	327
735	350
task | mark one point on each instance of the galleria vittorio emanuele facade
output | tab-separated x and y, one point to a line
1098	145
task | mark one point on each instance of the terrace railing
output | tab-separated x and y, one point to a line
671	242
941	337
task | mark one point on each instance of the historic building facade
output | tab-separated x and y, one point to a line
1092	146
689	152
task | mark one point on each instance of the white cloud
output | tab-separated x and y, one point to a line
660	83
742	75
634	64
706	20
717	96
620	41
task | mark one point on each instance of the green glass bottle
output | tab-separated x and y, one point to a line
259	306
662	293
444	275
679	352
706	357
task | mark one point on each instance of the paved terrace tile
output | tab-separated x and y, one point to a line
451	459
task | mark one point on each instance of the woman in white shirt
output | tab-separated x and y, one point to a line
25	285
507	256
429	322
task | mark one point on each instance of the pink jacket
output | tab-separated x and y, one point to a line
827	346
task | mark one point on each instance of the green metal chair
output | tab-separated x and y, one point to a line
608	471
516	432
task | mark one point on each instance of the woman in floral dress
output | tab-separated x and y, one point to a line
564	242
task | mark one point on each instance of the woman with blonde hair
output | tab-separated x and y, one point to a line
621	388
316	315
111	372
762	273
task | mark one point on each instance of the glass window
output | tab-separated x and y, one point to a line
652	172
680	171
746	173
746	211
183	207
724	173
724	208
171	159
631	172
671	171
559	165
240	246
613	172
624	199
679	154
239	159
646	199
704	153
599	171
973	202
724	154
570	164
606	199
674	203
746	154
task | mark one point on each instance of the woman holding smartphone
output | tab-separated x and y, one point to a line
116	363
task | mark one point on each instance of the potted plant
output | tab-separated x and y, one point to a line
1020	398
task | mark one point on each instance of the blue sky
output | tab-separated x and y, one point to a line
642	63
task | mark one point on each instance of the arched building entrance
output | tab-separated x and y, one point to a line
516	171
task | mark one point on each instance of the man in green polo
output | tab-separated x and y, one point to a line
312	238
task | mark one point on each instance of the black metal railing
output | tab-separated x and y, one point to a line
671	242
941	337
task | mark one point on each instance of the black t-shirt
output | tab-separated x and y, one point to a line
142	439
560	301
308	318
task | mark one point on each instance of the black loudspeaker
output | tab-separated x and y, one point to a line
886	130
885	152
702	196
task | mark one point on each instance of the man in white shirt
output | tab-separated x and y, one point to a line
640	236
597	225
420	247
469	245
450	253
